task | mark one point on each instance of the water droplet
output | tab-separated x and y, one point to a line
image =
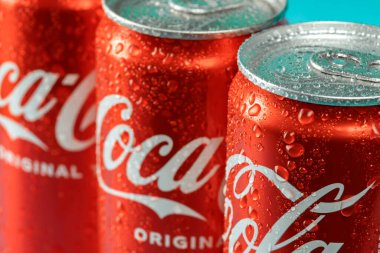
283	173
258	131
307	222
260	147
243	202
281	69
303	170
375	129
289	138
288	193
252	213
238	248
300	186
254	194
172	86
306	116
134	50
109	49
119	219
131	82
252	98
249	231
120	206
243	107
254	110
152	69
291	165
285	113
295	150
119	48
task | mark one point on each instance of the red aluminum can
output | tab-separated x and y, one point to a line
303	142
163	75
48	188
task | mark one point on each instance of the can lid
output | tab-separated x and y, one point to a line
329	63
196	19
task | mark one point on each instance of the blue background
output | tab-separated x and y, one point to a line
360	11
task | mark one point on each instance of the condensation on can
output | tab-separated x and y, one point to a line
48	190
162	96
303	142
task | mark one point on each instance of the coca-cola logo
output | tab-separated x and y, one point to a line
29	100
271	241
133	156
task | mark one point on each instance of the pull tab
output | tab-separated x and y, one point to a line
205	6
347	63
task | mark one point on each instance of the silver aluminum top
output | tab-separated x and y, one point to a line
195	19
329	63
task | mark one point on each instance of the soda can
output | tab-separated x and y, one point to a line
164	68
48	187
303	141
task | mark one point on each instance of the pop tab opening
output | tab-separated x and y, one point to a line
347	64
202	7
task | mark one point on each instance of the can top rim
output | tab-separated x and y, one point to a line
179	19
326	63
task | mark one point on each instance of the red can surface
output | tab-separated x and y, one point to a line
303	142
162	106
48	188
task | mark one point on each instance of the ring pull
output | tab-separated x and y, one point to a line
202	7
348	64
